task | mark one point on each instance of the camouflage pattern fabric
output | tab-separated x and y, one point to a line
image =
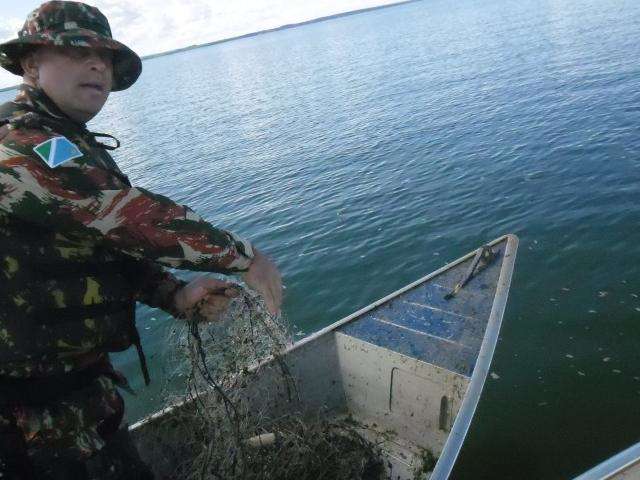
86	196
75	436
72	422
71	24
78	246
84	212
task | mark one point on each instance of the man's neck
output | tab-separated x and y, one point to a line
39	100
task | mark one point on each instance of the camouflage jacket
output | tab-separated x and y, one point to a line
79	245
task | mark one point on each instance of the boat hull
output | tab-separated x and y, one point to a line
409	368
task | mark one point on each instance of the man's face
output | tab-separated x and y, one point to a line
77	79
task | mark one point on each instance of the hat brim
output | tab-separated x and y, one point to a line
127	65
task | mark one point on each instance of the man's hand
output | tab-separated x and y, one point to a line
215	293
263	276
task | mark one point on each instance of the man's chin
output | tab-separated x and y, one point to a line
83	114
90	104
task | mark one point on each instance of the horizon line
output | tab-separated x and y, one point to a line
259	32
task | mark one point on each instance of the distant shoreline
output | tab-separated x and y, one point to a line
282	27
261	32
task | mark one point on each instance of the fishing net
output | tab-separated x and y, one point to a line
227	429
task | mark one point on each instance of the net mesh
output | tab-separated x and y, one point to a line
228	428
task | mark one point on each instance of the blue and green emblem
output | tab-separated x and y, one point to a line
57	151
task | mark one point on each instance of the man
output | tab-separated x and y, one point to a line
78	247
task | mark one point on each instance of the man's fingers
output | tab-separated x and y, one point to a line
231	292
213	285
213	308
263	276
272	305
276	295
271	297
210	317
197	293
218	300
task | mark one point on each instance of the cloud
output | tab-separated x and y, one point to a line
150	27
9	28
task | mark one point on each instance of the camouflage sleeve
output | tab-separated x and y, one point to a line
157	287
131	220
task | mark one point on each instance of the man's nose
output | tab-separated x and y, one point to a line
97	62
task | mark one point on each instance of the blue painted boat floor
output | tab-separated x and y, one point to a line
420	323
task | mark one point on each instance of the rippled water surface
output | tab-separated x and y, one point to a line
366	151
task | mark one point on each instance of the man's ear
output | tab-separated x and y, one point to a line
29	64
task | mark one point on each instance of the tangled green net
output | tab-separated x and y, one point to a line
222	431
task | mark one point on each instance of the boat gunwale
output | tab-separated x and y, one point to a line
613	465
471	398
399	292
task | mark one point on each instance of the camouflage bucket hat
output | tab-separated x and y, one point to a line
72	24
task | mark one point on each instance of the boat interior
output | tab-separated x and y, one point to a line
400	368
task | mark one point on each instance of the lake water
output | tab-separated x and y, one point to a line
366	151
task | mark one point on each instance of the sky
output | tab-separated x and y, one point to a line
150	26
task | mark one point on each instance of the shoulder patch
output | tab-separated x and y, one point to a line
57	151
